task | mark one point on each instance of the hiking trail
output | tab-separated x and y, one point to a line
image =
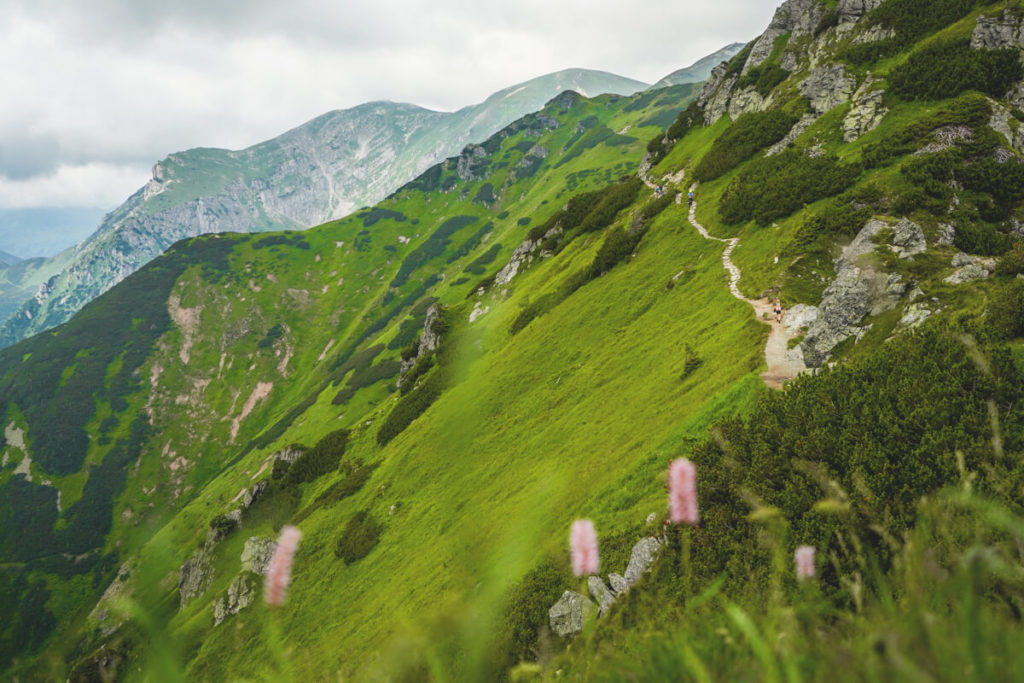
783	364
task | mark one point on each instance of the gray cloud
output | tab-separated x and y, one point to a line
122	83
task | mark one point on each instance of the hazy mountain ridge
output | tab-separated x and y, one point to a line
316	172
585	333
700	70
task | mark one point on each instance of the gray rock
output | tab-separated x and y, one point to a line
618	583
522	256
962	259
745	101
470	165
866	112
874	34
566	616
947	234
999	32
644	553
196	576
969	273
800	317
602	595
796	131
860	289
1017	228
430	339
241	593
288	455
915	314
851	11
256	554
797	17
652	518
908	239
253	494
716	99
827	87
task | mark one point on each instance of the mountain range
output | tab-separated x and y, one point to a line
575	319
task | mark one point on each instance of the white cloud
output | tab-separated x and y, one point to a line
110	86
98	185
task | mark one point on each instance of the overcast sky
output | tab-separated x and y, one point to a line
95	91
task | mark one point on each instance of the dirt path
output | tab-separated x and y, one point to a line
783	365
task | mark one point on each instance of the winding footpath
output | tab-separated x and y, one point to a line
783	364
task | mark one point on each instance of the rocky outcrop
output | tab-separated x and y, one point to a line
797	17
640	560
1000	122
873	35
861	288
796	131
908	239
196	575
745	101
603	596
521	257
866	112
851	11
472	165
566	616
618	583
714	96
256	554
970	269
827	87
800	317
946	234
430	339
240	594
999	32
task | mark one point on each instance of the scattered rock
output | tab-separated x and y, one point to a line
641	558
257	553
796	131
908	239
866	112
915	314
947	234
196	576
999	32
800	317
567	615
969	273
618	583
241	593
827	87
602	595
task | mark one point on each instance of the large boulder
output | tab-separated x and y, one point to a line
241	593
828	87
640	560
602	595
999	32
618	583
256	554
566	617
196	575
908	239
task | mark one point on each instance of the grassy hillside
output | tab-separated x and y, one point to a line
434	515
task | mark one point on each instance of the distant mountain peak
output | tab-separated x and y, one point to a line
700	70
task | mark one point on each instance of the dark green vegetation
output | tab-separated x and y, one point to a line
434	515
946	69
749	133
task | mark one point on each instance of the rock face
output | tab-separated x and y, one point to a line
970	269
827	87
430	339
866	112
618	583
999	32
714	97
800	317
241	593
566	616
602	595
861	288
799	17
520	257
644	553
796	131
196	575
908	239
257	553
851	11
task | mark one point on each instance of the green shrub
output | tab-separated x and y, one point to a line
431	248
1004	315
1012	263
943	70
862	54
412	405
764	78
527	612
617	246
422	367
912	21
319	460
358	538
353	481
747	134
478	264
657	205
774	187
535	309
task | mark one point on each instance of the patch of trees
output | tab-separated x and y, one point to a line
774	187
358	538
747	134
946	69
431	248
910	23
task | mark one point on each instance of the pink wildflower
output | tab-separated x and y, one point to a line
804	556
583	547
280	568
682	492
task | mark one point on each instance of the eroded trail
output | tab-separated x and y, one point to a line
783	364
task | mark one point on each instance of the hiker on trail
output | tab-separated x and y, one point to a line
690	200
778	311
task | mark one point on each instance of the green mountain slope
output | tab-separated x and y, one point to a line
558	329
